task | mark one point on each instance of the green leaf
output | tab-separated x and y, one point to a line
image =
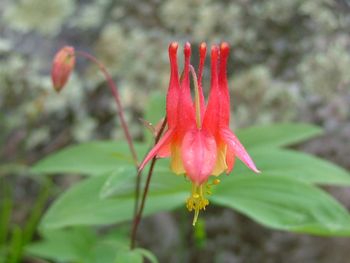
154	112
90	158
6	208
297	165
15	245
79	244
284	204
277	135
156	107
36	212
147	254
82	204
119	183
3	254
65	245
163	182
128	256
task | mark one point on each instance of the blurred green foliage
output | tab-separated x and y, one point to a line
14	236
285	196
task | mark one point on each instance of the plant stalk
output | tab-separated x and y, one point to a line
138	215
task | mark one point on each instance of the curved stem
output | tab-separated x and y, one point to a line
138	216
116	96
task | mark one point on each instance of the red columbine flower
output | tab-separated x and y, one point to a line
62	67
198	139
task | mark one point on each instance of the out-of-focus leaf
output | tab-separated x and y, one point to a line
6	207
15	245
81	244
36	212
296	165
147	254
163	181
65	245
82	205
276	135
78	244
284	204
91	158
128	256
155	111
156	108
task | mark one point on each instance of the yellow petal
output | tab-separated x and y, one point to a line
220	165
176	160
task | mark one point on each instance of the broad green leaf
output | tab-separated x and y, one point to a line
147	254
284	204
296	165
277	135
90	158
128	256
82	205
79	244
156	108
163	182
154	112
120	183
65	245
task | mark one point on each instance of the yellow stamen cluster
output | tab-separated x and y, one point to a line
197	200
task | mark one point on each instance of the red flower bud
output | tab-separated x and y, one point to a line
62	66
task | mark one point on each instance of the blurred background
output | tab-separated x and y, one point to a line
290	61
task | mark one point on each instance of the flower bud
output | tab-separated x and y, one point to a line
62	67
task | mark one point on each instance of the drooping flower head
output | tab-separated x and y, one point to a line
198	139
62	66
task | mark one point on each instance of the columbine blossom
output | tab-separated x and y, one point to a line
198	139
